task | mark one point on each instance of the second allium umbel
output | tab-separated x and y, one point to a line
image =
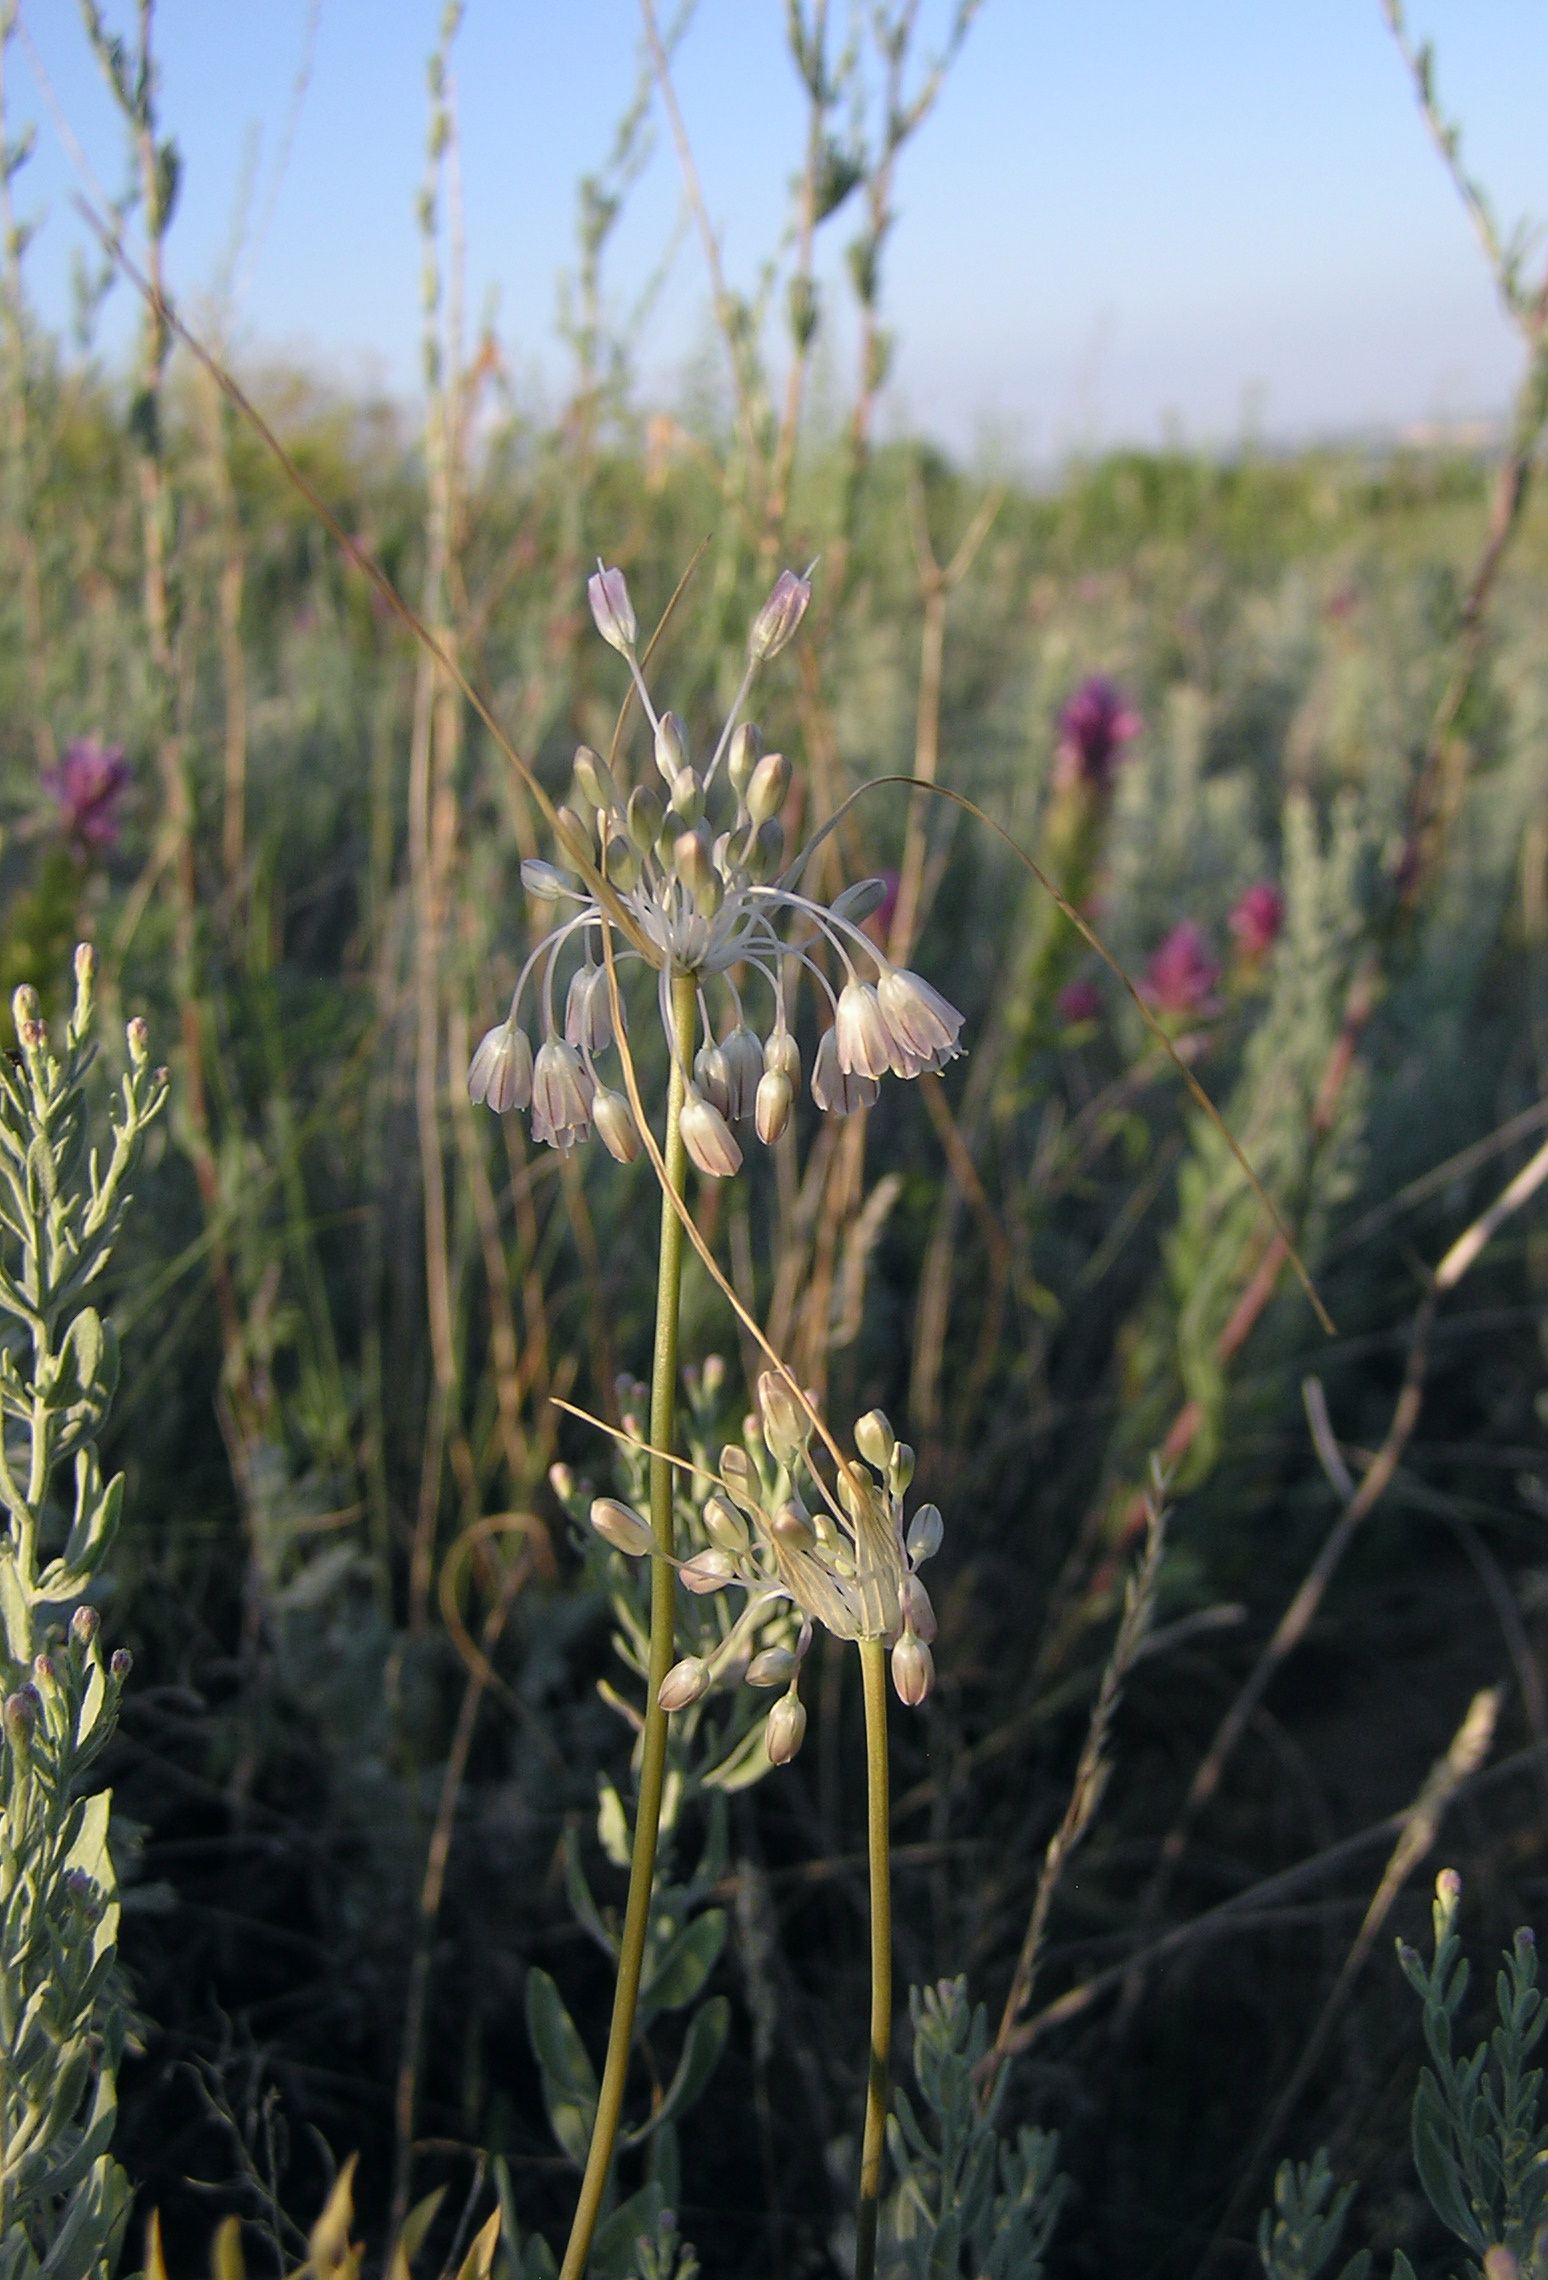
688	872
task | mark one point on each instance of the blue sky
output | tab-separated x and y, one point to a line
1127	218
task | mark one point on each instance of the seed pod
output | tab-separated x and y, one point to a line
769	787
621	1526
684	1683
785	1730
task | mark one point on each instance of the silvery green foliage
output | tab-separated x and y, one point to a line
968	2201
1480	2148
65	2200
1301	2232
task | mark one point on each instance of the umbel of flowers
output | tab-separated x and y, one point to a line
777	1532
694	861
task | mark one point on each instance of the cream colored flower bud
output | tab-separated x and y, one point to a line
785	1730
793	1528
925	1532
671	745
686	1682
708	1137
621	862
595	780
782	1057
900	1470
770	785
913	1670
786	1426
712	1077
743	1058
642	817
918	1613
692	861
725	1527
772	1105
767	853
875	1439
543	882
688	795
575	835
707	1571
739	1475
614	1120
775	1666
621	1526
745	753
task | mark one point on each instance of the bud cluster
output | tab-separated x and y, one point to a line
694	862
844	1559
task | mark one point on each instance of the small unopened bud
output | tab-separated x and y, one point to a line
780	615
643	816
736	1470
543	882
1448	1888
621	862
857	903
918	1613
1499	2263
692	861
137	1036
594	779
785	1730
686	1682
621	1526
772	1105
708	1138
793	1528
122	1664
925	1532
746	751
85	1623
24	1006
767	853
724	1526
33	1036
901	1470
19	1715
783	1055
43	1671
79	1888
611	608
769	788
688	795
574	835
85	965
561	1479
614	1120
708	1571
713	1077
875	1439
786	1426
671	746
773	1667
913	1670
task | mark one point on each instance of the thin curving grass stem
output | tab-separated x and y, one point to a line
642	1863
873	1672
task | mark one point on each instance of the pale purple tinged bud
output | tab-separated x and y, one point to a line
621	1526
743	1058
707	1571
500	1073
925	1532
835	1089
769	788
785	1730
121	1664
686	1682
85	965
776	622
138	1037
611	608
918	1613
708	1137
712	1077
913	1670
865	1046
772	1105
919	1017
20	1716
614	1120
85	1623
725	1527
775	1666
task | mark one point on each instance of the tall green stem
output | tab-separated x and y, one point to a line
642	1862
873	1671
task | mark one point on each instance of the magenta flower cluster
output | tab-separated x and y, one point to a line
1095	725
86	783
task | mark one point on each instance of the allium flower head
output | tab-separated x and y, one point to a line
1182	975
698	888
86	783
1094	726
1257	919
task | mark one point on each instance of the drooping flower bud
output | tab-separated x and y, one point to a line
500	1072
742	1057
708	1137
783	1054
774	1666
913	1670
611	608
772	1105
686	1682
621	1526
712	1077
918	1612
614	1120
707	1571
925	1532
780	615
785	1730
561	1095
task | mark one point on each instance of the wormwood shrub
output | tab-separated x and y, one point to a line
63	2199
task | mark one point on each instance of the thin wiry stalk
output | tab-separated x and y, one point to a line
873	1672
642	1862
